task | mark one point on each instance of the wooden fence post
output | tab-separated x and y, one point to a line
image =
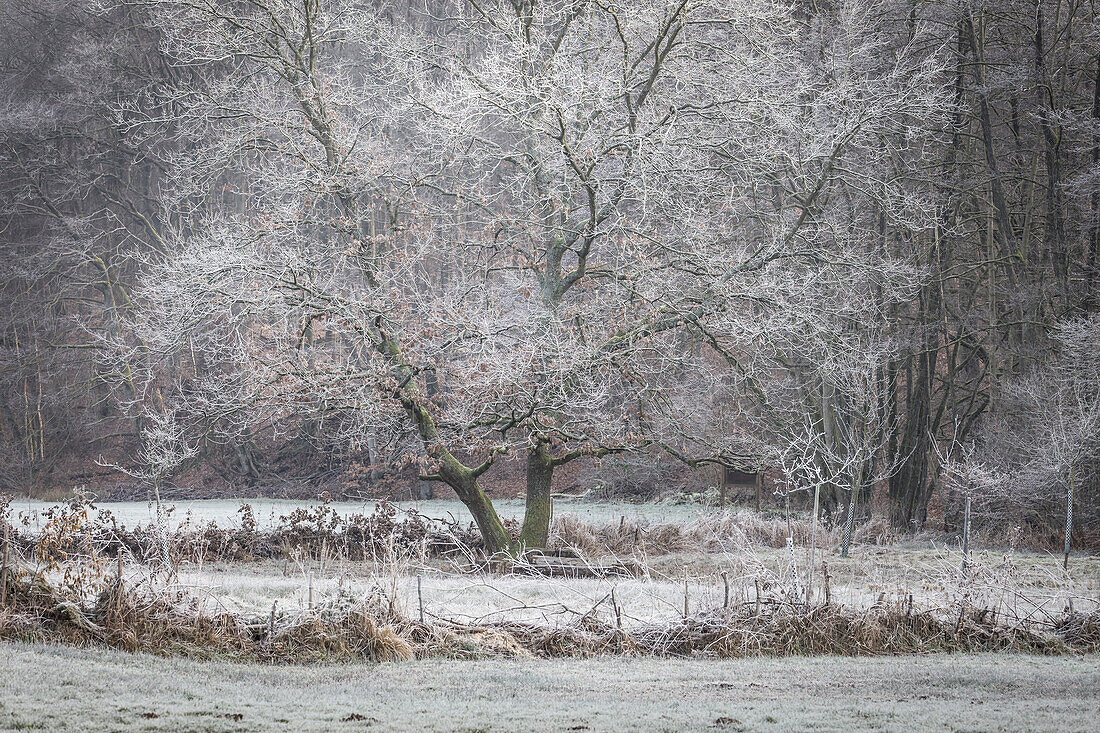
271	627
685	593
966	532
1069	519
420	599
618	612
4	570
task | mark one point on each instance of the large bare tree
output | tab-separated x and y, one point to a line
487	209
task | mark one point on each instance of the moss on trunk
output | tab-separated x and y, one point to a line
536	517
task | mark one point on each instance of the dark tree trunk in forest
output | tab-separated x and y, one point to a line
1092	263
1055	233
910	486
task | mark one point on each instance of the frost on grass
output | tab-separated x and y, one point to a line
325	588
60	688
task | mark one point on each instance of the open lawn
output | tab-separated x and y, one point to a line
53	688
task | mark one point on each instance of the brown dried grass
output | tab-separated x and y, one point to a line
374	628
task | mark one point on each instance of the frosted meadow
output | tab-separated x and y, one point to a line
549	365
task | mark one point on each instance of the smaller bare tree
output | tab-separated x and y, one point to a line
164	450
1047	434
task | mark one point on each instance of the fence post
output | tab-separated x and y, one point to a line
685	592
1069	519
271	627
4	570
420	599
966	532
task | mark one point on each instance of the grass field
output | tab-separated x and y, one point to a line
857	581
925	568
711	555
52	688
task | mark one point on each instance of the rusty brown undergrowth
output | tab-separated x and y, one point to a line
373	627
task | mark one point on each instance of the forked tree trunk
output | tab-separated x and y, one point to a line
465	484
536	519
488	521
451	471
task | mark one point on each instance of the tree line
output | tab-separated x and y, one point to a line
852	241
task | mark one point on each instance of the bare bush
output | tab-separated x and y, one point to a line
1041	451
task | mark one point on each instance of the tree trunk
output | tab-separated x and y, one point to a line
536	518
424	490
1069	519
910	486
849	521
1055	234
465	484
1092	263
451	471
372	457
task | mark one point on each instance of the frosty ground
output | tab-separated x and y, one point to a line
735	561
1017	580
54	688
690	557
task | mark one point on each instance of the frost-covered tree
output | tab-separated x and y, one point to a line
486	211
79	210
453	232
796	303
1044	447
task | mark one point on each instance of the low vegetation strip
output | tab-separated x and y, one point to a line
373	627
65	582
80	527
